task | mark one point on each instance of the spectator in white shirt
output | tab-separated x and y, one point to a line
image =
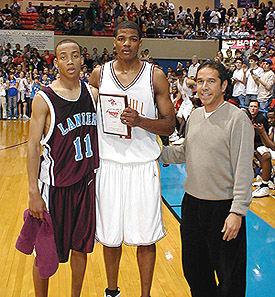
239	81
192	71
252	88
30	8
266	82
215	18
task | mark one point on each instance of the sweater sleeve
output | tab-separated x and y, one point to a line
241	151
172	155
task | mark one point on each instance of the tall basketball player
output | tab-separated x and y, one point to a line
128	198
64	122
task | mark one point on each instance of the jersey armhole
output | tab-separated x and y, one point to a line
152	70
50	105
91	94
101	75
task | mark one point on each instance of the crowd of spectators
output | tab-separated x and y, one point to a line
154	20
25	71
251	72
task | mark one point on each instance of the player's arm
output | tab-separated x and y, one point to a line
95	77
95	93
264	136
165	124
37	125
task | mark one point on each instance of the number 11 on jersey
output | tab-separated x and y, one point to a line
78	151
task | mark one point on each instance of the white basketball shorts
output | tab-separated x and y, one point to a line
128	204
263	149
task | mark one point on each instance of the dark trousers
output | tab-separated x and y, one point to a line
204	251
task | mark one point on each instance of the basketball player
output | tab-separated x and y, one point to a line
128	188
64	122
218	151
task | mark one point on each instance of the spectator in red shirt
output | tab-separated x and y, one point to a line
48	57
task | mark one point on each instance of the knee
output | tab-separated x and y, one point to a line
266	157
147	248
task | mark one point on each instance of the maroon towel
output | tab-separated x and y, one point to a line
39	234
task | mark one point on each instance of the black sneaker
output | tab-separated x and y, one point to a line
112	293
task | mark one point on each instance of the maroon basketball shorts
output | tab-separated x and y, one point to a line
72	210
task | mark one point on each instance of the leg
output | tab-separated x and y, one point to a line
78	267
146	256
265	161
228	258
40	285
112	259
197	266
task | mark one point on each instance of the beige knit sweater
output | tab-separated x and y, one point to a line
218	152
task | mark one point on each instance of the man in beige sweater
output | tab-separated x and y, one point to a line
218	152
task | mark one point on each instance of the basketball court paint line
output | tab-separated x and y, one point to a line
260	236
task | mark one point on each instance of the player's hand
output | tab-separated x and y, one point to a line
260	128
130	117
36	206
231	226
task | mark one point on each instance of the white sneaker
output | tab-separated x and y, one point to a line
271	185
179	141
262	191
25	117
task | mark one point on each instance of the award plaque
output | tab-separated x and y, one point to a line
112	107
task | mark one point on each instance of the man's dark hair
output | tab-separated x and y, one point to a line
239	59
223	73
179	73
254	57
128	25
253	100
67	41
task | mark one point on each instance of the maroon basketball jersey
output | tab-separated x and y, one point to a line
70	148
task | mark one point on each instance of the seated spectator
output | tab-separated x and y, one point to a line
257	117
59	23
159	25
30	8
192	71
50	10
95	57
263	54
6	10
265	154
48	57
270	22
15	6
8	22
271	56
1	20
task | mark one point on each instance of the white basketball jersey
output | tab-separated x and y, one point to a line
142	146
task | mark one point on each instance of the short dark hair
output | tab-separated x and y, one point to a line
255	101
128	25
254	57
67	40
223	72
239	59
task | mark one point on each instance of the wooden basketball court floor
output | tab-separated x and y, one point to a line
16	268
